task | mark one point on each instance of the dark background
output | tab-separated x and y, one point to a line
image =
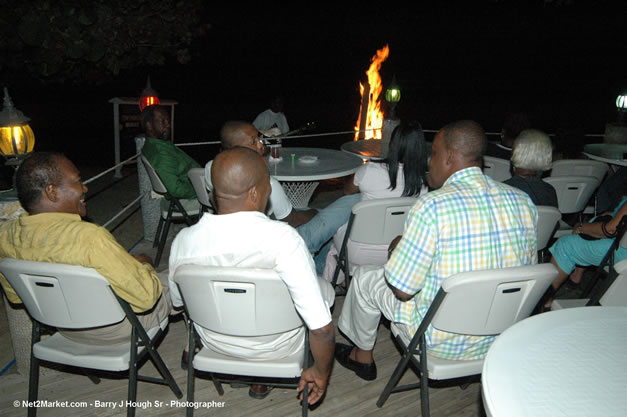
561	62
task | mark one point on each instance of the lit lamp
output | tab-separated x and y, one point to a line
621	106
392	96
16	138
149	97
616	133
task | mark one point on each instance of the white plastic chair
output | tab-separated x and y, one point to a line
573	193
174	211
74	297
479	303
496	168
242	302
584	167
373	222
548	218
197	178
581	167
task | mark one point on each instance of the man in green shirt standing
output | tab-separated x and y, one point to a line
170	162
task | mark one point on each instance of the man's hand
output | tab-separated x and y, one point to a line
143	258
299	217
316	385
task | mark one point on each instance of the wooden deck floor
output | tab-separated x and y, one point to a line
347	395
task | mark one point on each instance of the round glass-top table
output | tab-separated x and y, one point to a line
366	149
562	363
301	169
613	154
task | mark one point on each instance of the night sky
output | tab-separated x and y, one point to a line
562	64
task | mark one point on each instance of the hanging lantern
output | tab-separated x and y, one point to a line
16	136
149	97
393	92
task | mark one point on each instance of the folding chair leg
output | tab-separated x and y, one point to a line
157	238
191	349
424	380
132	375
162	240
33	379
396	376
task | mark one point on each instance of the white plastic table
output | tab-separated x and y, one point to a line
366	149
613	154
301	169
568	363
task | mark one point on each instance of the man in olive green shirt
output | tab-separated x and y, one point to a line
170	162
50	189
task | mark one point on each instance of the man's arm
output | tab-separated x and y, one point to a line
322	342
350	187
299	217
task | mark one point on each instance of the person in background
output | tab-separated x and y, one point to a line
532	155
585	247
401	174
241	235
512	126
316	227
170	162
272	118
469	222
51	191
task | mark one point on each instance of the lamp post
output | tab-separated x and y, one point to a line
16	139
149	96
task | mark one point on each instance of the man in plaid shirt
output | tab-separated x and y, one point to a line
470	222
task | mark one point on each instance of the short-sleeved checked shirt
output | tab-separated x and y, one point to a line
470	223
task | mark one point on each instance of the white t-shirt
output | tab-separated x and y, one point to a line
267	118
374	182
251	239
278	204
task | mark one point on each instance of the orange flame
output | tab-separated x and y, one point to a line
374	115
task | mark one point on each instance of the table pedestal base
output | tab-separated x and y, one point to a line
299	192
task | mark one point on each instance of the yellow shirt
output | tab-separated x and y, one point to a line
65	238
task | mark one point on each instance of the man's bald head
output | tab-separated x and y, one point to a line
467	139
240	181
237	133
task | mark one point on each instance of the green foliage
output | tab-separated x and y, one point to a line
91	40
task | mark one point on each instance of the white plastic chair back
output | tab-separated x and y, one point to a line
616	294
582	167
496	168
488	302
157	185
548	217
378	222
197	177
66	296
573	192
237	301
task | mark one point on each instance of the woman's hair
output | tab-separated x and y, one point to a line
533	150
408	147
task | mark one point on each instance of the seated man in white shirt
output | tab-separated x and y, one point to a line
272	117
242	235
316	227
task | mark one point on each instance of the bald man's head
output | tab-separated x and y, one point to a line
238	133
466	138
240	181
